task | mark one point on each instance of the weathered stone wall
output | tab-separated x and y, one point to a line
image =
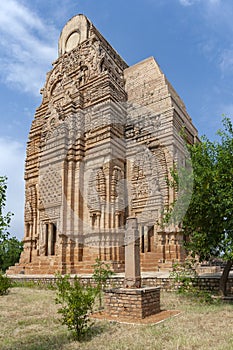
165	284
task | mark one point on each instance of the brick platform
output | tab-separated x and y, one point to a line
152	320
133	303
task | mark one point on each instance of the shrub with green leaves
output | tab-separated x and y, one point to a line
185	279
10	247
76	304
184	275
101	274
5	284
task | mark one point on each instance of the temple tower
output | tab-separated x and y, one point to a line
100	148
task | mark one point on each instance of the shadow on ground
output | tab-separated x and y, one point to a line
56	342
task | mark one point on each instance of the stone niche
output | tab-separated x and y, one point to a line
135	303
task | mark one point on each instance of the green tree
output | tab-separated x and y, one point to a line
10	247
10	252
5	284
76	304
208	222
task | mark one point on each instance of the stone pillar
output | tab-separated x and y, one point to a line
167	247
145	239
62	253
98	220
34	225
70	198
141	235
102	218
117	220
112	216
50	234
132	255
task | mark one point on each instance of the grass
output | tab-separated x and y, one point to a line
29	321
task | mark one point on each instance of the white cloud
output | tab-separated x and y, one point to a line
205	2
27	46
215	1
215	41
186	2
226	61
12	155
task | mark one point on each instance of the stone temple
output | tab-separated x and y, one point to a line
100	150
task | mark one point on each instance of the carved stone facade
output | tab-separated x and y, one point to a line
100	148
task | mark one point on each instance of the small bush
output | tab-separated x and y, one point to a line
101	274
76	304
185	280
184	276
5	284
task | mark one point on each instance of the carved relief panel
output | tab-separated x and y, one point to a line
148	184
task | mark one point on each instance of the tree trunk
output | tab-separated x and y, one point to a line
224	278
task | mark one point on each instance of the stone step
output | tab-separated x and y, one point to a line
149	260
149	269
149	264
145	263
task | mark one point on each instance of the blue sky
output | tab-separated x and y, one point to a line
192	40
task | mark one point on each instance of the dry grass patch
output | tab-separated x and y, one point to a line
29	321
